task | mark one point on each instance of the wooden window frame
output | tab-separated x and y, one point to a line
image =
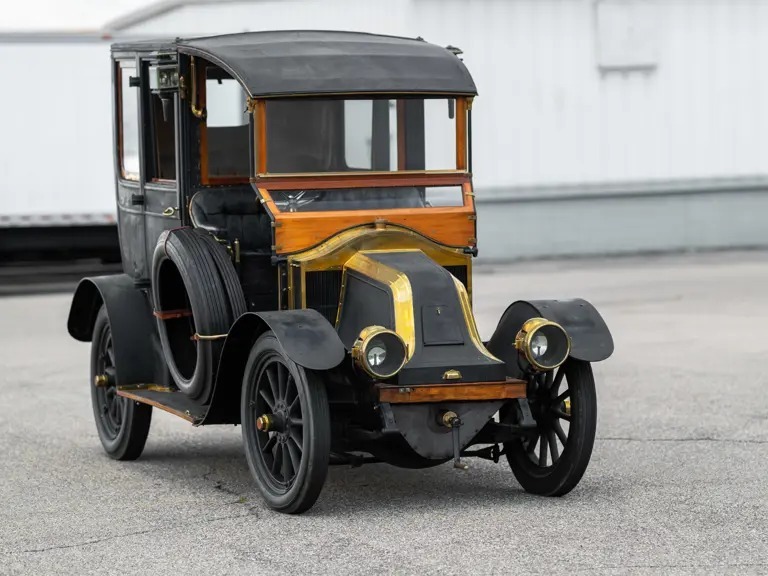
263	176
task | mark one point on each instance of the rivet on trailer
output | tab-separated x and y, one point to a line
297	227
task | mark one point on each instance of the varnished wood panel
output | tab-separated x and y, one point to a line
461	133
138	398
452	392
299	231
360	180
261	137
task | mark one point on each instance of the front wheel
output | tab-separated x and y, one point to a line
551	461
123	424
286	427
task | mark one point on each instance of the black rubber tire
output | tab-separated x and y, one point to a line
191	270
299	492
561	477
122	424
229	277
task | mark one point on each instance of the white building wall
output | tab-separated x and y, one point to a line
687	118
379	16
547	114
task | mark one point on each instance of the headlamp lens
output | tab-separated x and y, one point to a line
539	344
377	353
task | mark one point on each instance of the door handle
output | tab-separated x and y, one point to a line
170	211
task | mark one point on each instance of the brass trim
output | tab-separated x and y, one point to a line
361	344
526	334
402	294
146	387
335	251
265	422
469	318
197	337
447	418
452	375
197	112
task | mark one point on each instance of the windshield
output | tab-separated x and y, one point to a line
376	198
374	135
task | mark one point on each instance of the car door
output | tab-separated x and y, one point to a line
160	174
130	195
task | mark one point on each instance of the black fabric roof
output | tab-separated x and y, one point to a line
318	62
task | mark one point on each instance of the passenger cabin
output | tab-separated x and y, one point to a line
294	149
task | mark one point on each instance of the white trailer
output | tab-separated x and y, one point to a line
56	175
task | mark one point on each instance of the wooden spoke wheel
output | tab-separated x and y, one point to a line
123	425
551	461
286	427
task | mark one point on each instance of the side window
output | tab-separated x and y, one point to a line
128	122
226	127
163	138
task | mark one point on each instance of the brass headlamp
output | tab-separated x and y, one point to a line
543	343
379	352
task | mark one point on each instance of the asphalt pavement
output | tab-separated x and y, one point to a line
678	482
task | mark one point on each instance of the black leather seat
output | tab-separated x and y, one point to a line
232	213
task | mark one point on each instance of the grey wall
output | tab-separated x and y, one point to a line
599	223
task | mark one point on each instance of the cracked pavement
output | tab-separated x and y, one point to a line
678	482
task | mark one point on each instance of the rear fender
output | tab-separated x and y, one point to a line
591	341
134	335
305	335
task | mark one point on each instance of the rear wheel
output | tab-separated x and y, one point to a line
123	424
552	460
286	427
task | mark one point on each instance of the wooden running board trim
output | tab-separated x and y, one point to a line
466	391
138	398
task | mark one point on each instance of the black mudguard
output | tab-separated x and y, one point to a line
591	341
306	336
134	333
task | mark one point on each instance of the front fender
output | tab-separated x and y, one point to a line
130	319
591	341
305	335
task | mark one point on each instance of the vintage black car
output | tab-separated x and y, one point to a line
297	228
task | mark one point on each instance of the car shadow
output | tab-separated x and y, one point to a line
370	488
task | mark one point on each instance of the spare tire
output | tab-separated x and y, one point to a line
196	295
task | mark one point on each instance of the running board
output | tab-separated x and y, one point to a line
167	399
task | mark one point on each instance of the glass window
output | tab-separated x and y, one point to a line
129	124
380	135
163	165
378	198
227	127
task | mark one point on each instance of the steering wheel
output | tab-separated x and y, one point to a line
294	201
